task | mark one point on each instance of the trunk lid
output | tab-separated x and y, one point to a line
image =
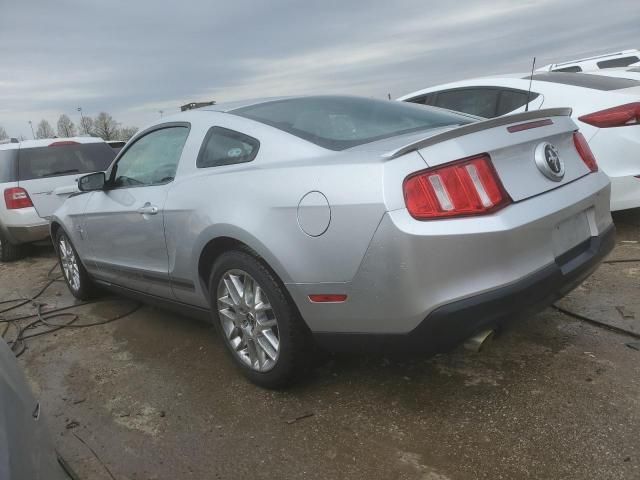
49	174
517	153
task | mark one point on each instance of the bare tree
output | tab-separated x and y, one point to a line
105	126
66	128
45	130
125	133
86	126
3	134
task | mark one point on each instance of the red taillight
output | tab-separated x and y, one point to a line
17	198
585	152
328	298
467	187
621	116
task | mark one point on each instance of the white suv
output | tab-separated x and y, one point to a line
36	176
599	62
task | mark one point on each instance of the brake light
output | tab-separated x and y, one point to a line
61	143
17	197
466	187
529	125
621	116
585	152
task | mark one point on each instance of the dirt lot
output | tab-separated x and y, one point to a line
156	398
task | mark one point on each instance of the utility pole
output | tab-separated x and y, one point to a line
31	125
160	112
81	120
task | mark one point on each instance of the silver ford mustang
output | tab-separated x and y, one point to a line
344	221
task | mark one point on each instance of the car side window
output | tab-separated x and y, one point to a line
572	69
152	159
427	99
222	146
618	62
511	100
482	102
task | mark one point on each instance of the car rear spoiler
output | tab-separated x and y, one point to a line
478	127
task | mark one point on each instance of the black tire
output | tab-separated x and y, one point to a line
8	251
86	289
294	336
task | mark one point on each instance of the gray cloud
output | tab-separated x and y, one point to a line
135	58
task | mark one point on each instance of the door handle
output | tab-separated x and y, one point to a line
148	209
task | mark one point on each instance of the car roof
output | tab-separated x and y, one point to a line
626	72
45	142
593	81
233	105
503	80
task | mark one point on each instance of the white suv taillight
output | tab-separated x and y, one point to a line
17	197
466	187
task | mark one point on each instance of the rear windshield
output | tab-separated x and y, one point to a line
594	82
338	123
64	160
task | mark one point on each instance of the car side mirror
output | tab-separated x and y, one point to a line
92	182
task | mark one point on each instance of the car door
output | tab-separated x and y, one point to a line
124	224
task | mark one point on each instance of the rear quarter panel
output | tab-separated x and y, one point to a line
257	203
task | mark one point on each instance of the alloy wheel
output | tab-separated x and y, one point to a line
248	320
69	263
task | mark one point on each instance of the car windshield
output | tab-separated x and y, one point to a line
338	123
66	159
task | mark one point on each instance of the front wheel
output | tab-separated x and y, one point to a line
74	273
261	328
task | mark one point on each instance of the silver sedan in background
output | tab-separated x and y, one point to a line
344	221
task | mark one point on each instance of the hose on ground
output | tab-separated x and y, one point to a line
43	322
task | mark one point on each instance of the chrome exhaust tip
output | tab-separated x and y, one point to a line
479	341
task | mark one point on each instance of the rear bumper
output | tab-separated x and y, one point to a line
450	324
625	192
27	234
23	225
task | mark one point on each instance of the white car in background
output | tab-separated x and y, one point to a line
596	63
36	176
606	108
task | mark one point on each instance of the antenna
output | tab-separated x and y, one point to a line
533	66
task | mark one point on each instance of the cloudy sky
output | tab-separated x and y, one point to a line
133	58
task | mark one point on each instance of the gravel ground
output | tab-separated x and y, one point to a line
156	397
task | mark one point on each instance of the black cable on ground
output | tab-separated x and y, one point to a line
622	260
596	322
43	319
